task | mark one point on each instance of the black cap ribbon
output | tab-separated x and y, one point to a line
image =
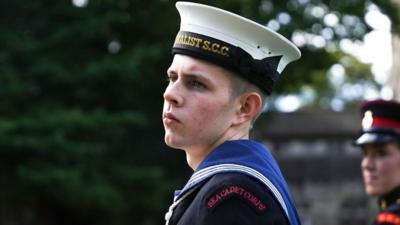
261	72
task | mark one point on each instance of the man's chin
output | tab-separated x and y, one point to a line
172	143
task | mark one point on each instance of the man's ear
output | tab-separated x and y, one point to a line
249	106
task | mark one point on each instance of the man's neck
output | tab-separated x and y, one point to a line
194	156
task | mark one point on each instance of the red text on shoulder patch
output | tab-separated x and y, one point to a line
388	218
236	191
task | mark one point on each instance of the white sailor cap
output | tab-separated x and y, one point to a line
255	52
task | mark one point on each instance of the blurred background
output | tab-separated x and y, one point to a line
81	83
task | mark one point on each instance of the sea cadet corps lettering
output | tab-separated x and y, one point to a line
200	43
238	191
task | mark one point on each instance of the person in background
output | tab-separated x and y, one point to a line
380	144
223	68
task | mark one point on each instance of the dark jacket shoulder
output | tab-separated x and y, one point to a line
233	198
390	208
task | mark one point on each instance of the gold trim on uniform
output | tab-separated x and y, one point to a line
195	42
383	204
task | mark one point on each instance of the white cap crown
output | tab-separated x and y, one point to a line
230	31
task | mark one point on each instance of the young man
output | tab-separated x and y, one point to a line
380	143
223	67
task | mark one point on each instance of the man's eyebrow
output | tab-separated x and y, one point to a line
197	76
193	75
192	71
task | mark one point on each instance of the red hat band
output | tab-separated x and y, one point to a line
369	122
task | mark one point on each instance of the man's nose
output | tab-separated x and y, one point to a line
173	94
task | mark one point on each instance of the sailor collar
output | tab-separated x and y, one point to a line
219	162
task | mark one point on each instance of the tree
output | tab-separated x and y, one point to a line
394	80
77	115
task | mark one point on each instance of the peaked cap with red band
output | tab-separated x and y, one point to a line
253	51
380	122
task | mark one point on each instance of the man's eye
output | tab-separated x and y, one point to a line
170	79
197	84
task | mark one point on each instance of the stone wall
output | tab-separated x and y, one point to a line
320	163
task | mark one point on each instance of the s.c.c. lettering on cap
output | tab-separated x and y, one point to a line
202	43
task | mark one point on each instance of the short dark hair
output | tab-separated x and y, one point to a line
240	86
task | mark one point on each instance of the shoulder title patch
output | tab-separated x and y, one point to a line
236	191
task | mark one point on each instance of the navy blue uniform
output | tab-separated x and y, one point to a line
389	209
229	198
238	183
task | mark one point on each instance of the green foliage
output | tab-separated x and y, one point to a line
81	98
79	125
78	161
